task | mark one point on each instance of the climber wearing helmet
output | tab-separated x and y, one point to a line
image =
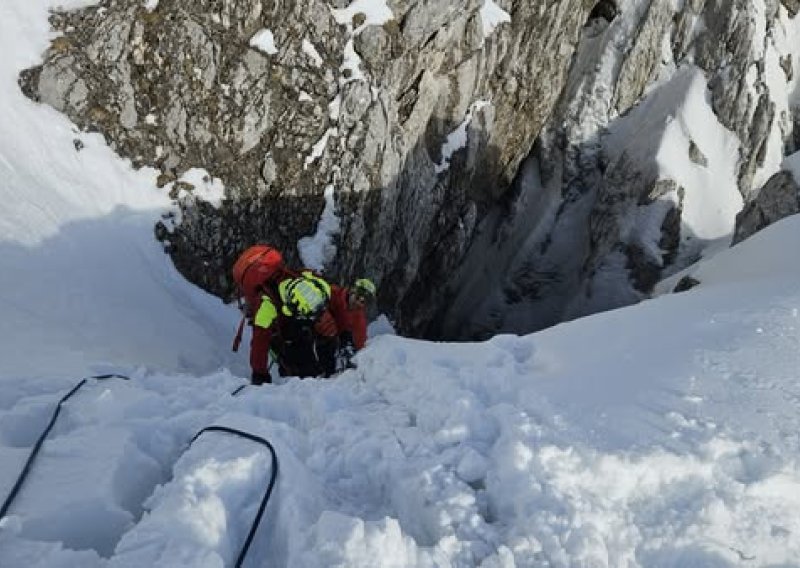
310	325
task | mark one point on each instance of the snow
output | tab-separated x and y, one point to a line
457	139
375	12
665	125
312	53
663	434
672	445
76	228
319	249
492	16
792	164
150	5
264	41
206	187
319	147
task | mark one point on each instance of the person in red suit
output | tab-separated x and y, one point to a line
312	327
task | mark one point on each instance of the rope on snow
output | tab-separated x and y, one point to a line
38	446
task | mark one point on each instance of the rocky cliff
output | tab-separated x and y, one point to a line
415	118
674	114
416	113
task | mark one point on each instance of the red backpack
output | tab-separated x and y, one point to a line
254	266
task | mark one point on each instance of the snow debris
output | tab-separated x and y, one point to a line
457	139
319	148
376	13
351	64
318	250
206	187
492	16
264	41
150	5
312	53
335	107
304	97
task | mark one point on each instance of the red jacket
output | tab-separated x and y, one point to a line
338	318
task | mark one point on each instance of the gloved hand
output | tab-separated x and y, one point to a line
346	352
257	378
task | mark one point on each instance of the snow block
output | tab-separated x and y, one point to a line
202	517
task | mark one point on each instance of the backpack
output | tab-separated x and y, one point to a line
254	266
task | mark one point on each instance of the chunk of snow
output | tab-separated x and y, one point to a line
150	5
492	16
351	64
376	13
264	41
312	53
318	250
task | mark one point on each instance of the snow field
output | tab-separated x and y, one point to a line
673	445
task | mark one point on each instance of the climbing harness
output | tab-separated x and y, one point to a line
38	446
270	486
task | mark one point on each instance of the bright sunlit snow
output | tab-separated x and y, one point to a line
264	41
664	434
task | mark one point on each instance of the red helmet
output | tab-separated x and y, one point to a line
255	266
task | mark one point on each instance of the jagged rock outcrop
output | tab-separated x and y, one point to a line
280	99
779	198
420	116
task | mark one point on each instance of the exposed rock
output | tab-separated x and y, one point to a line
462	241
696	155
366	106
793	6
779	198
685	283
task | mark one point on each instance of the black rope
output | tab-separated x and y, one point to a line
239	389
38	446
270	487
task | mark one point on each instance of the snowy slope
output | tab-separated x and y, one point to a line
80	273
664	434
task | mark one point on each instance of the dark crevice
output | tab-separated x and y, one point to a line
604	10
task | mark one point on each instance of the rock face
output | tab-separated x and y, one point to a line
281	99
601	212
495	165
779	198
